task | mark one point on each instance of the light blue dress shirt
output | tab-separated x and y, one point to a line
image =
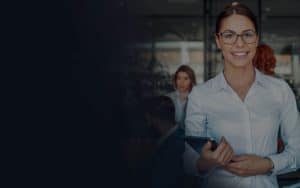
180	108
250	126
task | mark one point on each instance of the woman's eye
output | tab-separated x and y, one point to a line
249	34
228	35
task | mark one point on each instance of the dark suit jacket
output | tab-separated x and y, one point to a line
167	163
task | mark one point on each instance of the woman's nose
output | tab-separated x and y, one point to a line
239	41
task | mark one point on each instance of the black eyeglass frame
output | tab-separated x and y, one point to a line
237	35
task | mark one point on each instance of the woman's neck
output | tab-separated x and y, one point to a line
240	80
183	95
239	77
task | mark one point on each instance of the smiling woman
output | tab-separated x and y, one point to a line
238	40
244	109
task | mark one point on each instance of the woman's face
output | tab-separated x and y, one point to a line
239	53
183	82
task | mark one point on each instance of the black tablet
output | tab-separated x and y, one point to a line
198	142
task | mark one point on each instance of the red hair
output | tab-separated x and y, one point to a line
264	59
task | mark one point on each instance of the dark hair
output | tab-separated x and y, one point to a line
264	59
161	107
190	73
236	8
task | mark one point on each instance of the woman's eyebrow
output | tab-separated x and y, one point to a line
243	31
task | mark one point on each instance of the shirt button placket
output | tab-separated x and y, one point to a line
249	147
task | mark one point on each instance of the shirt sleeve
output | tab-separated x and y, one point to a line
195	118
289	159
194	126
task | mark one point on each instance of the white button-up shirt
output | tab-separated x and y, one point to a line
250	126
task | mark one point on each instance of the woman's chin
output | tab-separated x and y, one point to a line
240	64
183	90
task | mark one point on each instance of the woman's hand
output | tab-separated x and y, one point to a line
249	165
219	157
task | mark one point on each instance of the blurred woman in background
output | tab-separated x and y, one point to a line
264	59
184	80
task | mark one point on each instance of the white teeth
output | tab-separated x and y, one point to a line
239	53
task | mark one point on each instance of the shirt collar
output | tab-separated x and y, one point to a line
259	78
221	84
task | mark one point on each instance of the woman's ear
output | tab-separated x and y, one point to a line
217	41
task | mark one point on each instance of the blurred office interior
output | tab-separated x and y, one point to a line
174	32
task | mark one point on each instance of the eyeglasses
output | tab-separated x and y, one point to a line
230	37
